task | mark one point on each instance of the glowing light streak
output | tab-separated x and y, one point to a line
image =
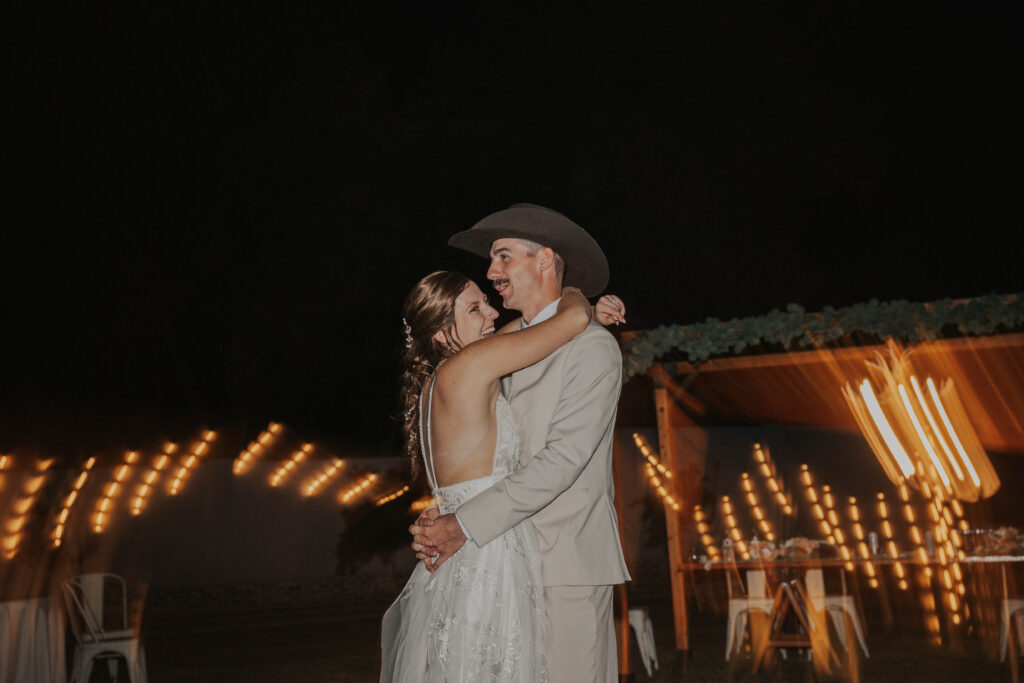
935	428
101	517
885	429
149	480
392	496
57	536
353	492
285	470
952	432
189	462
653	469
700	520
266	438
317	482
922	437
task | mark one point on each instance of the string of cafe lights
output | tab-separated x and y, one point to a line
265	440
862	547
888	536
57	537
189	462
704	530
284	471
317	482
732	529
755	508
812	496
150	479
655	471
5	463
394	495
353	492
11	541
111	491
767	469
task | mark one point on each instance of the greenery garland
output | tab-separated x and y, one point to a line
793	328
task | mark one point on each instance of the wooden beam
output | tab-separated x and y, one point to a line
673	523
848	354
658	374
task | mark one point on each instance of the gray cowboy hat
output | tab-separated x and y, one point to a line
585	264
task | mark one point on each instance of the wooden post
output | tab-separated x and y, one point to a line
621	594
673	520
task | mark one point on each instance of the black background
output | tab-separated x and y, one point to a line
214	214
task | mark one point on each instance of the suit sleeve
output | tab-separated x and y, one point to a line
586	407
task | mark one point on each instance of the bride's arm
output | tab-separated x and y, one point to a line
489	359
609	310
513	326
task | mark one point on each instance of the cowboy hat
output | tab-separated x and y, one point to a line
585	264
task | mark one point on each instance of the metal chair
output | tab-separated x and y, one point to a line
740	606
97	607
640	620
836	606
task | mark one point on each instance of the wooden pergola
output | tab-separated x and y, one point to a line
802	388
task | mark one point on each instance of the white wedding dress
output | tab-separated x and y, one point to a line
480	617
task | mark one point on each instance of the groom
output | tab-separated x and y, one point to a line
566	404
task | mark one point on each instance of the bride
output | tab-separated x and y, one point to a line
479	616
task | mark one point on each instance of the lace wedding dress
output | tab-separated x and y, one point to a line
480	617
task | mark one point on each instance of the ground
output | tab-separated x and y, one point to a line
347	650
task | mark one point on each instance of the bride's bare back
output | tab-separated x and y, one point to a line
461	416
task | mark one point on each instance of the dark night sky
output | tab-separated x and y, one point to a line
216	214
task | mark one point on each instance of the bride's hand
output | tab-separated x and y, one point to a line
610	310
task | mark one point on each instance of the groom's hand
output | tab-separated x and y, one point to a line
436	538
424	552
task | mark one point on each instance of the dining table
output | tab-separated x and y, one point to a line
32	641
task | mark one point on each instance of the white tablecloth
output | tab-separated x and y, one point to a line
31	642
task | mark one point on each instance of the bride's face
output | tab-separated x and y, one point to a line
474	317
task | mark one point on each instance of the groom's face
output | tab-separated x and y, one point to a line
514	272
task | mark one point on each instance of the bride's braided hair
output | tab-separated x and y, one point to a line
429	308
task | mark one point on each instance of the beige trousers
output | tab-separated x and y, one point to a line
581	634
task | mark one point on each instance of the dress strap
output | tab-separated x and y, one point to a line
428	452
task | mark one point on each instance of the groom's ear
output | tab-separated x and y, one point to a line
545	258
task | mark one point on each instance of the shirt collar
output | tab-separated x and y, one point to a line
545	313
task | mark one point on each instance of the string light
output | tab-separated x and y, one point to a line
392	496
767	469
422	504
655	471
285	470
816	507
923	438
351	493
257	448
11	541
112	490
57	537
732	528
189	462
755	509
150	478
5	463
888	536
318	481
703	530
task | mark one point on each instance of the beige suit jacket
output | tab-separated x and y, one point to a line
566	404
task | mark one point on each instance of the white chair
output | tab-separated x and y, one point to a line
98	611
740	606
1013	609
640	620
836	606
